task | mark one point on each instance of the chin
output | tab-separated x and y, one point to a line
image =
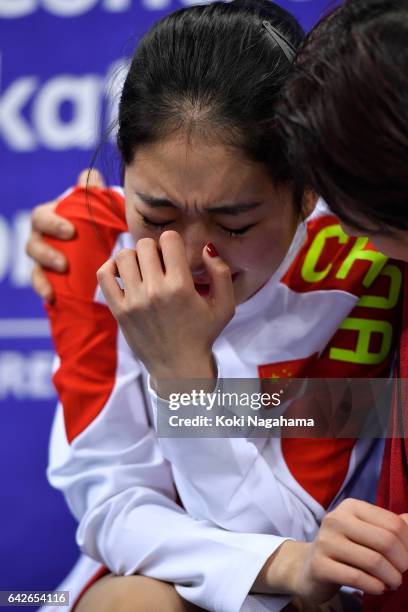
242	294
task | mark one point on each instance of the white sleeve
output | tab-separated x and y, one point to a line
231	482
120	488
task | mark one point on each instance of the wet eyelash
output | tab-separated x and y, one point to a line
159	226
236	233
233	233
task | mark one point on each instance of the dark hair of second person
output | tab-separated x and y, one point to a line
344	113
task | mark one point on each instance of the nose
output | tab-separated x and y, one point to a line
195	237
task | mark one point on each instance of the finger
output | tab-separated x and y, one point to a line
41	285
106	276
150	266
366	559
222	289
380	540
385	519
404	517
128	268
340	574
175	258
45	221
91	177
44	254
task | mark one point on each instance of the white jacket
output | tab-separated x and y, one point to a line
240	498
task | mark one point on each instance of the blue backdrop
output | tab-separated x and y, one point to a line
56	60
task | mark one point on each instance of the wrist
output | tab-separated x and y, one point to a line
280	572
200	373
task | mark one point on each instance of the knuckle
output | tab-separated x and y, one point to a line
396	526
178	289
223	270
346	508
42	209
36	214
100	273
123	255
29	247
142	243
131	306
154	296
330	521
375	561
354	577
349	504
325	540
388	542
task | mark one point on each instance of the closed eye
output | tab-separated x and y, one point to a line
157	225
240	231
232	232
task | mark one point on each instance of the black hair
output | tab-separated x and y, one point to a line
212	70
344	113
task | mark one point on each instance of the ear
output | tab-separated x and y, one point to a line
309	201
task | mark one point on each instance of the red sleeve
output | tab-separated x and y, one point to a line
84	331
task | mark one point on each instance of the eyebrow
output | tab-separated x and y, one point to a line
226	209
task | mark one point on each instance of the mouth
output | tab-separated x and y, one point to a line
203	288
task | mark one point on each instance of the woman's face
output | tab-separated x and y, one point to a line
211	193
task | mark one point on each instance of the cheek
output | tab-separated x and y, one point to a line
263	252
392	248
254	255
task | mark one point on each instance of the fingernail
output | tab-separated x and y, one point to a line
211	250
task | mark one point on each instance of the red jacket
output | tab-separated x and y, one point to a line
393	486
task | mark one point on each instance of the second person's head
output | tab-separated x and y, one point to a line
344	116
